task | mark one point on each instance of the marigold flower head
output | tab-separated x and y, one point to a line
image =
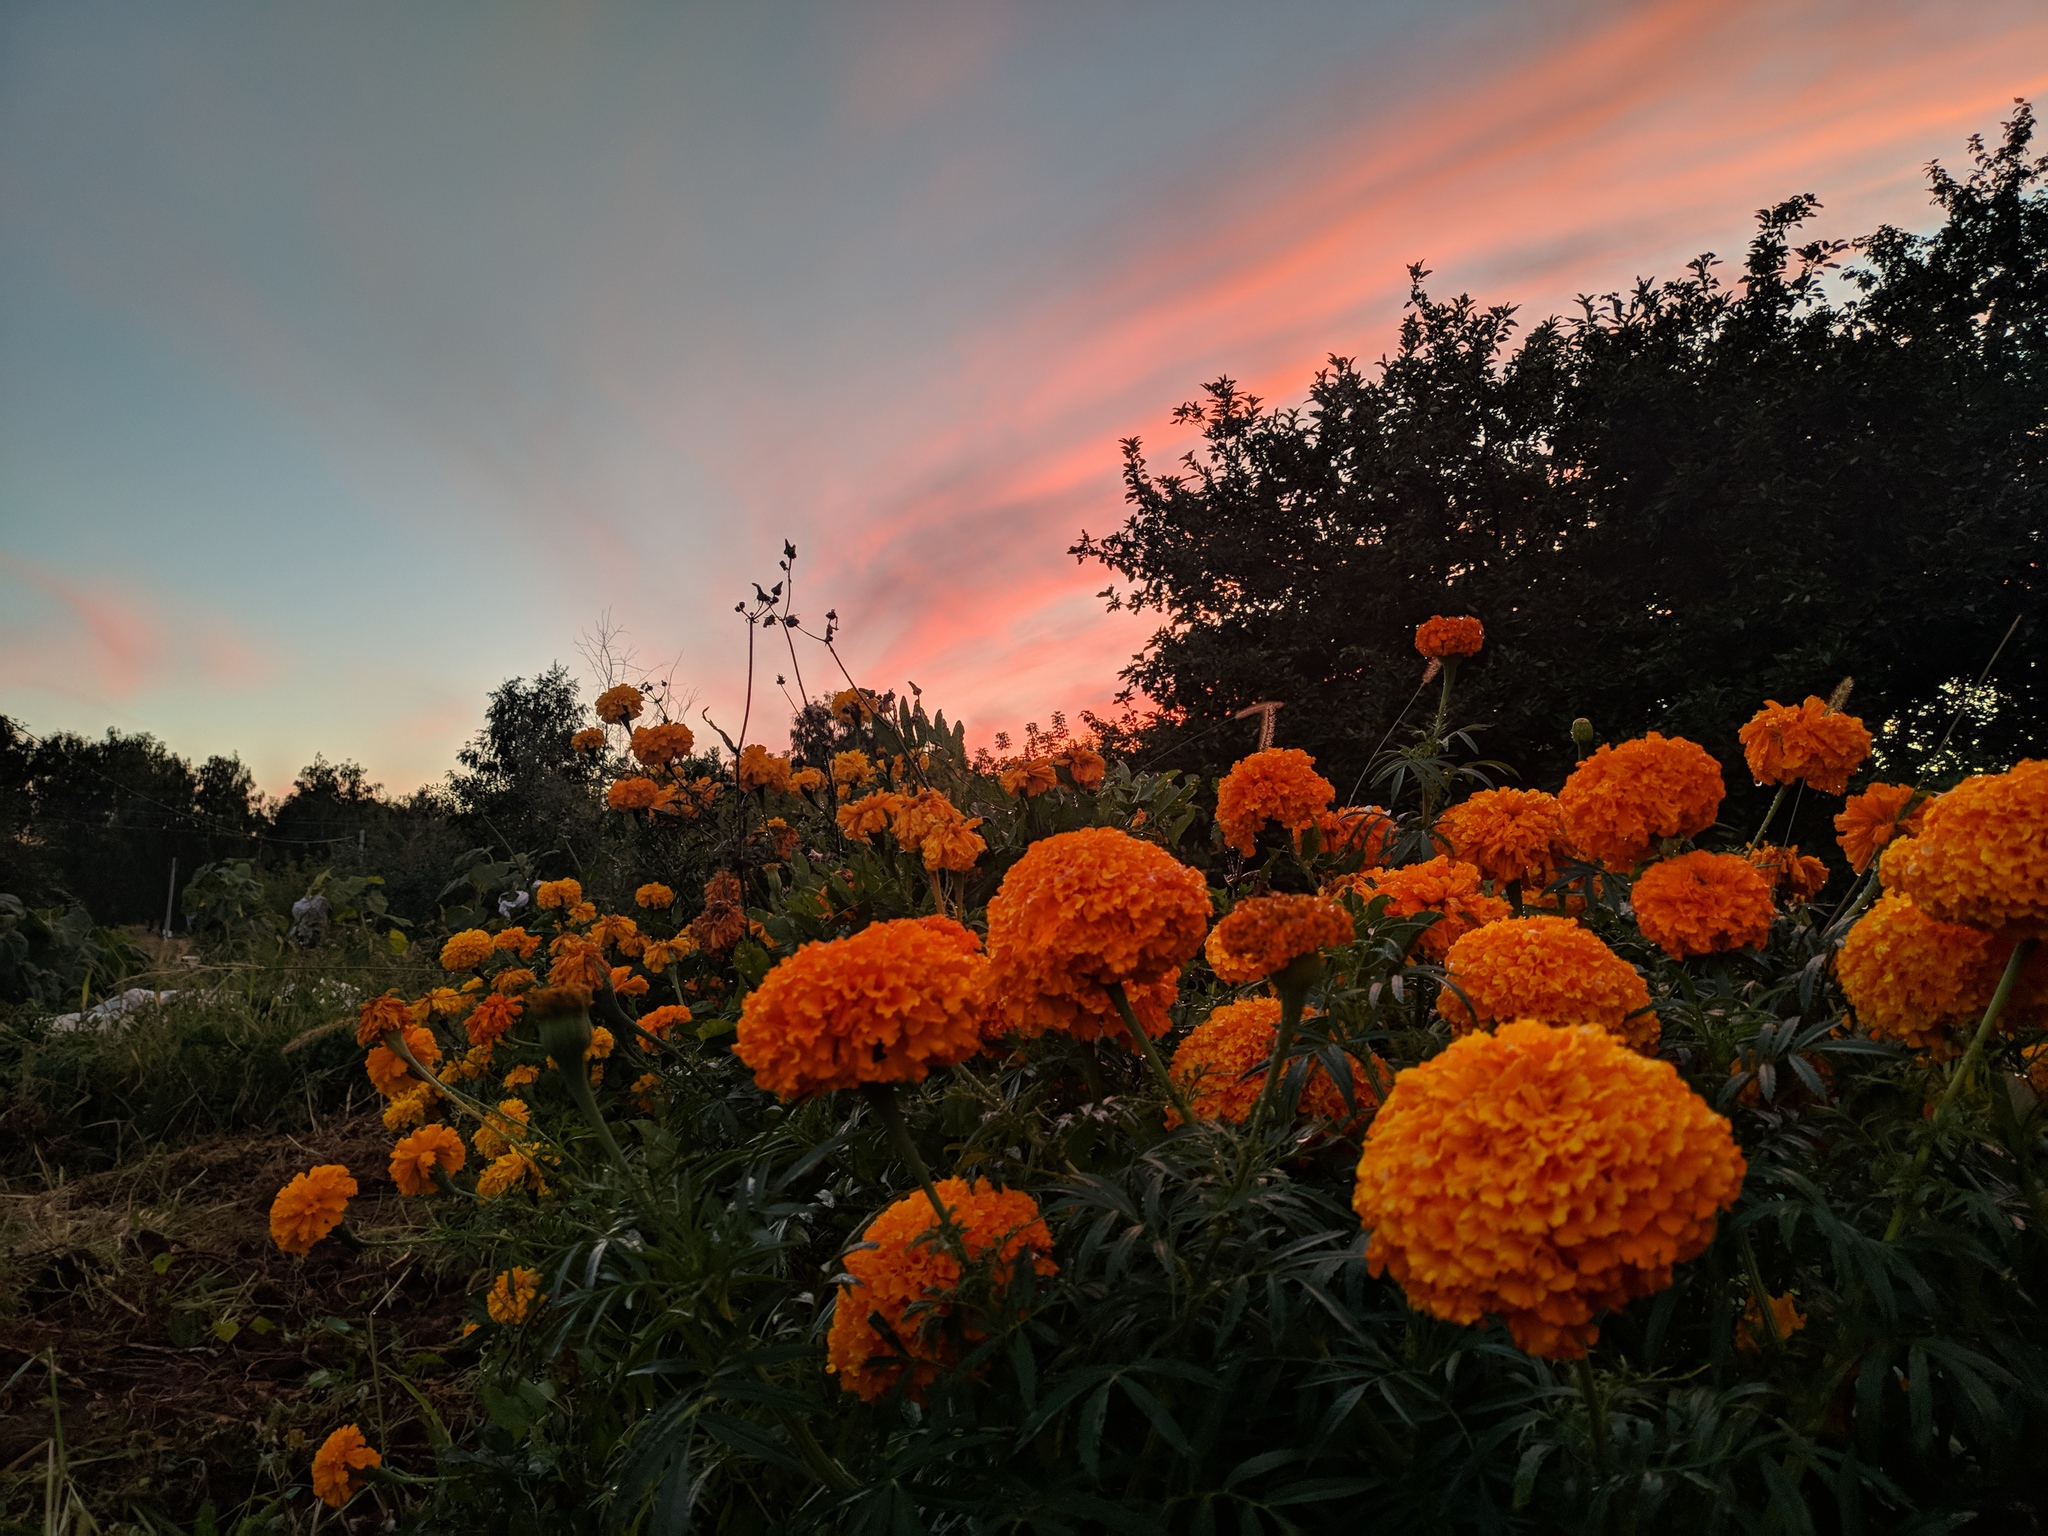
1925	983
1509	835
659	1021
517	941
850	770
640	794
519	1077
1444	638
582	912
613	930
663	746
310	1206
1541	1174
931	825
1754	1334
723	922
617	705
870	814
1703	904
510	982
1279	784
389	1073
1785	742
589	739
1031	777
1212	1064
884	1005
341	1455
412	1107
416	1156
507	1125
1621	800
759	770
1868	821
512	1295
1082	910
475	1062
851	704
440	1003
660	954
1265	934
804	780
1364	831
654	896
908	1274
514	1170
467	950
1981	855
380	1016
1442	885
1546	968
1800	874
1086	766
550	894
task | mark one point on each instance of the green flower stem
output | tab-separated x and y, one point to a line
1292	982
1769	816
576	1078
1758	1289
881	1098
394	1042
1151	1053
1964	1070
1596	1415
1091	1070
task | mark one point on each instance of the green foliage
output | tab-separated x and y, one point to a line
49	955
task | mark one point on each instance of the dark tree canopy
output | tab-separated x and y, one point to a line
1665	508
521	786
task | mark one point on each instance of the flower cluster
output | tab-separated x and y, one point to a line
1785	742
1221	1066
1912	978
1265	934
1596	1169
1621	800
1981	854
1547	968
1446	887
1440	638
1703	904
1279	785
1509	835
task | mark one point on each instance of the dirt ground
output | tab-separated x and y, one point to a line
166	1368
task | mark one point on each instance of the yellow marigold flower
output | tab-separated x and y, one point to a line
1442	885
415	1157
509	982
310	1207
514	1170
411	1107
1784	742
1087	766
662	746
517	941
496	1136
1082	910
341	1455
612	930
902	1264
870	814
1444	638
661	1020
884	1005
1541	1174
1925	983
601	1043
589	739
929	823
550	894
582	912
1621	800
850	704
654	896
640	794
1029	778
1702	904
1280	785
660	954
805	780
1546	968
440	1003
758	770
1753	1334
1870	820
388	1071
380	1016
519	1077
475	1062
850	770
491	1019
1509	835
616	706
1981	855
512	1295
1265	934
1364	830
626	984
466	950
581	968
643	1089
1801	874
1212	1064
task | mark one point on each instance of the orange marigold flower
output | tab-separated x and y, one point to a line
1034	776
492	1018
1702	904
850	704
582	912
930	824
615	706
1801	874
601	1044
509	982
310	1207
654	895
1444	638
1280	785
440	1003
1784	742
723	922
758	770
1442	885
660	954
1925	983
1509	835
1364	830
1546	968
852	769
412	1107
519	1077
1082	910
884	1005
517	941
467	950
1621	800
1870	820
341	1455
1212	1064
902	1264
497	1135
613	930
1541	1174
414	1159
512	1295
581	967
557	893
869	814
639	794
1087	766
662	746
389	1073
514	1170
1265	934
1753	1333
380	1016
783	839
661	1020
589	739
1981	855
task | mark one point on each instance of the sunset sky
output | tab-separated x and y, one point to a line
355	357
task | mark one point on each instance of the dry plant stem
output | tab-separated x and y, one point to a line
882	1098
1964	1070
1150	1052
